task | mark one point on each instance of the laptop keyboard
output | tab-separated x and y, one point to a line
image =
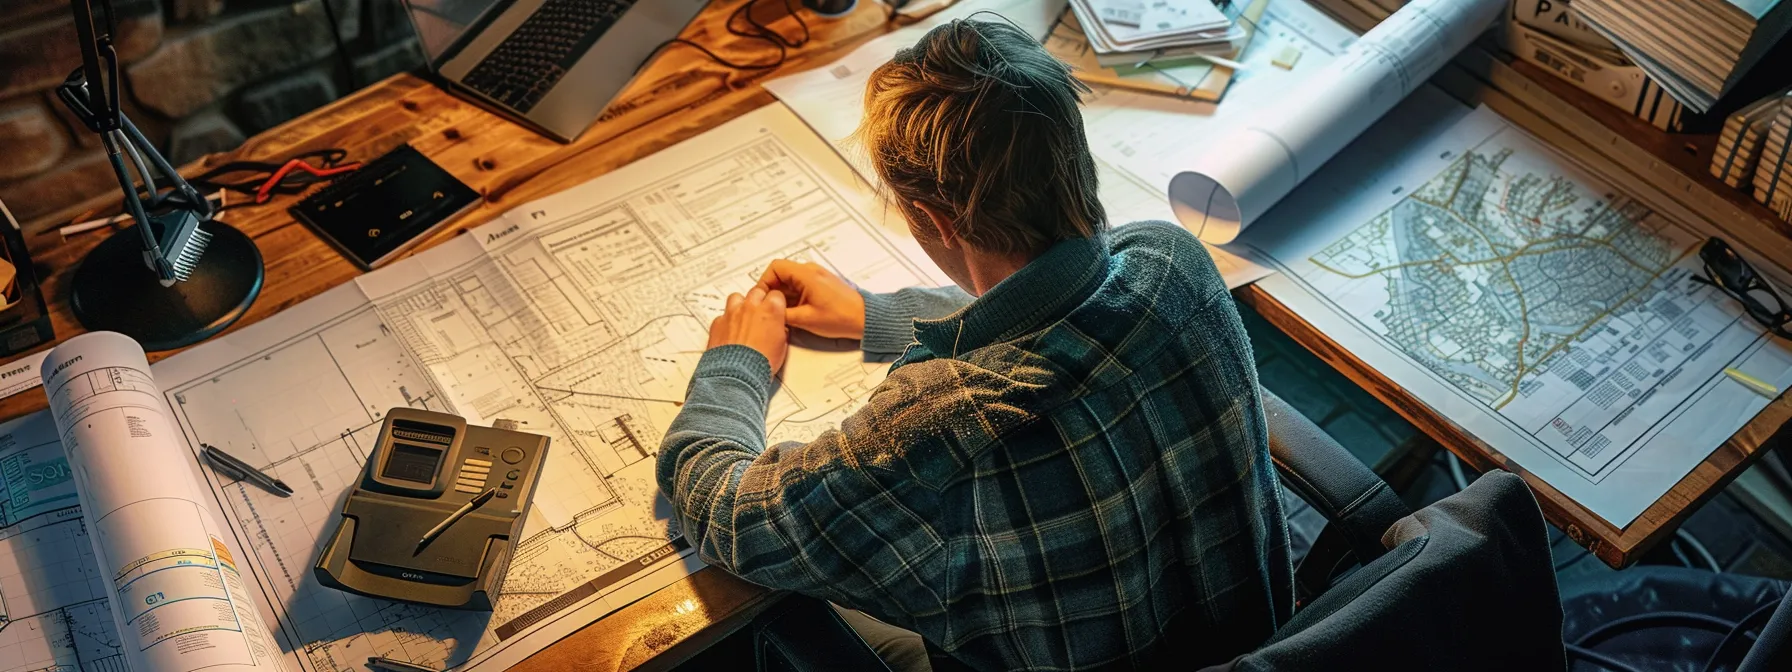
528	63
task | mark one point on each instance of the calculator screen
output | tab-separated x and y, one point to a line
413	463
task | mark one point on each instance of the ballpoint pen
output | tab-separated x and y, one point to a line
240	470
458	514
384	664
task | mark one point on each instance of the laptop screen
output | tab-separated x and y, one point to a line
440	23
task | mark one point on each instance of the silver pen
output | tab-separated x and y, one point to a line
474	503
240	470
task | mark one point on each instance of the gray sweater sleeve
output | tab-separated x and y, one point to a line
890	318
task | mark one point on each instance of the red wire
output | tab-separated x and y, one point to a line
265	193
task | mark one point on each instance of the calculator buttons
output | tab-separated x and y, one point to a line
466	489
476	462
511	455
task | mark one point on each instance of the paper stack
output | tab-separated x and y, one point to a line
1132	32
1205	78
1739	144
1773	177
1696	49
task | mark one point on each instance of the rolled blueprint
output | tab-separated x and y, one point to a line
1225	186
177	595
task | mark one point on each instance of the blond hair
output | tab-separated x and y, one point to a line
980	123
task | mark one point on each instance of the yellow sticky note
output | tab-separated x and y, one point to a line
1287	57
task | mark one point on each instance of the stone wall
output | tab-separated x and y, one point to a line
199	76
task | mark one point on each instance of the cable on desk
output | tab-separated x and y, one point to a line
1741	628
759	31
1698	547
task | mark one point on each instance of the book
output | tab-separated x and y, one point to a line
1699	50
388	206
1739	143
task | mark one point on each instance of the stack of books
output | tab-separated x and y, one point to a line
1773	177
1744	135
1134	32
1698	50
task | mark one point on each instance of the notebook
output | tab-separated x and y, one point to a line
378	212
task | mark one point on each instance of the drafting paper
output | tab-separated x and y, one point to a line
178	592
581	316
1524	298
1223	187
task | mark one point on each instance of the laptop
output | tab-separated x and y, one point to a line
552	65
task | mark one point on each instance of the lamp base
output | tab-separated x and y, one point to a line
114	291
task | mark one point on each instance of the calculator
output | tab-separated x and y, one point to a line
425	468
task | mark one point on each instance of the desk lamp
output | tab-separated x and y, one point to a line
151	286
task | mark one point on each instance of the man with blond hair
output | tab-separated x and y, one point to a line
1067	467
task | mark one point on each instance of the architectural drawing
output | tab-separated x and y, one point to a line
54	615
581	317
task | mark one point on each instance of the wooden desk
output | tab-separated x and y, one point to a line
679	96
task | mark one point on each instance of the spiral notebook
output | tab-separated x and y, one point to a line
378	212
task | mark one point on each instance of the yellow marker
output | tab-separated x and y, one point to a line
1759	386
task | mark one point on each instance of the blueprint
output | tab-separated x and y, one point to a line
1519	294
54	613
581	317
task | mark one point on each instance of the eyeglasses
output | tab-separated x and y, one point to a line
1729	272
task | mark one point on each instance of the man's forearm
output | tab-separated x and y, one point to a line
890	318
721	425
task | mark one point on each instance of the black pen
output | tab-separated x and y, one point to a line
384	664
240	470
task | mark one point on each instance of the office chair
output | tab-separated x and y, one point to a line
1464	584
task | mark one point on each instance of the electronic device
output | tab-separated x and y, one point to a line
553	65
128	285
437	512
386	207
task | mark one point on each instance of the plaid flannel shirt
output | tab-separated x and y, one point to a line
1071	471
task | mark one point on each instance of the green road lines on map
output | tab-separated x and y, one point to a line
1483	290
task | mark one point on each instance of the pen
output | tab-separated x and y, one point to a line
389	665
240	470
458	514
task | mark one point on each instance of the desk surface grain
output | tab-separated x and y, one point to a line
682	93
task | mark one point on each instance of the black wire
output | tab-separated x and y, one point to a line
760	31
1742	626
348	66
1655	619
1572	559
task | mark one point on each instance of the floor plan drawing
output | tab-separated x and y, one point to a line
581	317
54	615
